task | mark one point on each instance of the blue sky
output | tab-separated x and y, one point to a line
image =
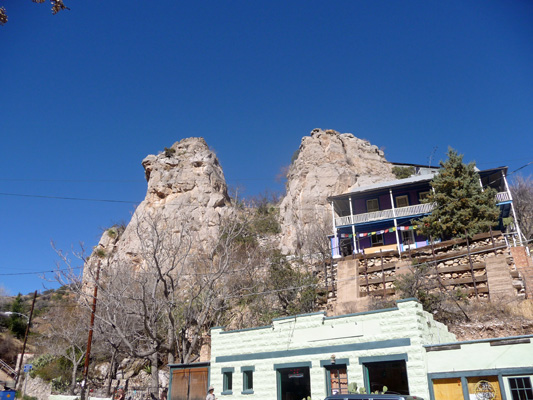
85	95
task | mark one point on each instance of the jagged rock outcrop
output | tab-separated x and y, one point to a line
186	191
328	163
187	180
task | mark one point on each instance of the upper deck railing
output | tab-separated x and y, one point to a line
417	209
502	196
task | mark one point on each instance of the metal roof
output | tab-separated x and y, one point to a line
388	184
402	182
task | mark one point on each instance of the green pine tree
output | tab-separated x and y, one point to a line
461	206
17	325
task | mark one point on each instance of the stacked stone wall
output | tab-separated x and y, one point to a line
480	269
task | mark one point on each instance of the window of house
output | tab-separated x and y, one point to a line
372	205
423	196
227	380
337	379
521	388
484	386
247	380
377	240
408	237
392	374
402	201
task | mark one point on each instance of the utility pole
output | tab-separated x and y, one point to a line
90	338
25	340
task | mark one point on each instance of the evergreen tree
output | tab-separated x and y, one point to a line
17	324
461	206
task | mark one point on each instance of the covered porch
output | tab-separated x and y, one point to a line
389	235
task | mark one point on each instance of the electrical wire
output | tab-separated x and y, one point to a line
38	272
68	198
138	202
130	202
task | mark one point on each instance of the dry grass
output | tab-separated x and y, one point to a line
523	309
9	348
498	318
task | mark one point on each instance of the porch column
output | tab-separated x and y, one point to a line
395	223
512	209
333	219
335	234
353	227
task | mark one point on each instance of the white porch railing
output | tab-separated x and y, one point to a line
417	209
384	214
502	196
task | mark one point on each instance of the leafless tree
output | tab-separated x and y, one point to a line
163	299
314	245
57	5
522	191
65	335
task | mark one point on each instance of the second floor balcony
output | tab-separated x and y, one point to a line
399	212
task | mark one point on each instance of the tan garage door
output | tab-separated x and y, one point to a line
448	389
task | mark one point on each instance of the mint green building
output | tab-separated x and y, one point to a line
314	355
499	367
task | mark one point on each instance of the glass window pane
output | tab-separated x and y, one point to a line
521	388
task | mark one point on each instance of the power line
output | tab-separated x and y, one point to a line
68	198
38	272
112	180
73	180
143	180
522	167
129	201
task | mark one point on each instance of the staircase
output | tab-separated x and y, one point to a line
7	374
499	278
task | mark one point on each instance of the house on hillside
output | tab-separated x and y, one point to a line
379	217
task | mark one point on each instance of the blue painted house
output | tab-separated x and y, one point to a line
379	217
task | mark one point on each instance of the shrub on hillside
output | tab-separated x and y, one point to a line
9	348
55	370
403	172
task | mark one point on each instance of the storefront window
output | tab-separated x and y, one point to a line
521	388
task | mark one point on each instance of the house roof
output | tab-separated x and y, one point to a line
415	165
385	185
412	180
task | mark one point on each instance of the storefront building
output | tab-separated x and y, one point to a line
492	369
400	348
315	355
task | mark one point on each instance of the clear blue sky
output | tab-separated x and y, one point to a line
85	95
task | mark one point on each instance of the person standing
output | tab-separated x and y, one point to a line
210	393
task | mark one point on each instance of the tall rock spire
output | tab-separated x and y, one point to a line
327	163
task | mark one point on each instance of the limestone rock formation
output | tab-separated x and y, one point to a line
186	188
187	181
328	163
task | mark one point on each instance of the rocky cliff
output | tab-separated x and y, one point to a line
186	181
186	191
327	163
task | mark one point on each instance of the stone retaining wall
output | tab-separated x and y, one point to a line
489	270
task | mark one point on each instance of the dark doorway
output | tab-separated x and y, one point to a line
294	383
392	374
